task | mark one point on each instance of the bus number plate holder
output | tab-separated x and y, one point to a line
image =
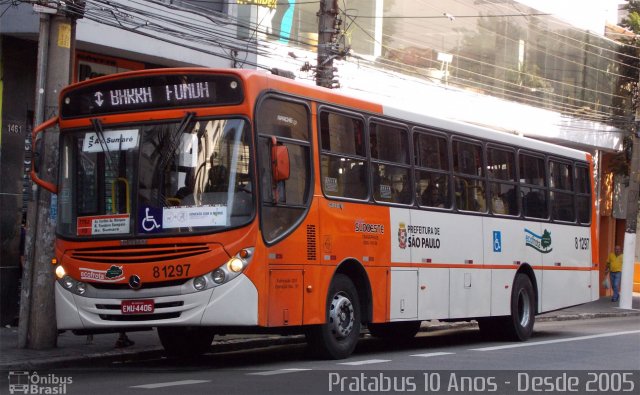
145	306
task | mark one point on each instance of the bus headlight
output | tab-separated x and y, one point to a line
60	272
218	276
233	267
68	282
81	288
199	283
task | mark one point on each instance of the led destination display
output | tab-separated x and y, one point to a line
151	93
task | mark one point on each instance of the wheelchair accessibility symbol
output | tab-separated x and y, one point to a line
497	241
151	221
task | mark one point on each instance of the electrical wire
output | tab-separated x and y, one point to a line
176	25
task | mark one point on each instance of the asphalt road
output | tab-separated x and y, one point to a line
595	356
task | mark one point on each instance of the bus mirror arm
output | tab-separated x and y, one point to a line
38	155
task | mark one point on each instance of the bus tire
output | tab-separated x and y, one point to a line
337	338
187	341
519	325
395	330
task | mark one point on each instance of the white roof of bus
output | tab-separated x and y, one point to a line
483	133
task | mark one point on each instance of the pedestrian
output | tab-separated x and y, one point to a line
123	340
614	269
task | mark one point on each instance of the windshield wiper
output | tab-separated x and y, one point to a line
97	126
169	150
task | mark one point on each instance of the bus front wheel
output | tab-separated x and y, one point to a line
337	338
185	341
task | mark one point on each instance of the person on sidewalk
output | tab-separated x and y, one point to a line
614	269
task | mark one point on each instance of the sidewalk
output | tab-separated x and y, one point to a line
72	348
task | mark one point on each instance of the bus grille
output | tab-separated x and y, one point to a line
139	254
159	284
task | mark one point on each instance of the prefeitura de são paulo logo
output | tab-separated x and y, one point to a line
402	235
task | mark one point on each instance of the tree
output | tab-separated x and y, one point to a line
632	21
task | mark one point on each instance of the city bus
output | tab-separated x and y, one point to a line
202	202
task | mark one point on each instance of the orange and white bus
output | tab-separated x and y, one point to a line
205	201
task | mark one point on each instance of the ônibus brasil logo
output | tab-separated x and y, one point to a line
539	243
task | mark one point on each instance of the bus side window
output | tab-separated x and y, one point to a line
343	169
286	202
533	186
501	169
469	176
389	151
583	194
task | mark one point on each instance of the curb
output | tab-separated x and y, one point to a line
123	355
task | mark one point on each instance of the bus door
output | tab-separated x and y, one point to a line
284	170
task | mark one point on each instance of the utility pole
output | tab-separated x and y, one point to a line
37	326
326	42
630	234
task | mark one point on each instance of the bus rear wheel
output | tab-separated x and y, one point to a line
337	338
185	341
395	330
519	325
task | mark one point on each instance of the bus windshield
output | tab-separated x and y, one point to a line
183	176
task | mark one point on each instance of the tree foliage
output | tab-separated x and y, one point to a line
632	21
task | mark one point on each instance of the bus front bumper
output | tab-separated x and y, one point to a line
231	304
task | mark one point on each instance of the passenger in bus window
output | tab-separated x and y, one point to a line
218	179
401	189
189	183
432	196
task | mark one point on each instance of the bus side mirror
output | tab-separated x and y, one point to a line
38	147
280	165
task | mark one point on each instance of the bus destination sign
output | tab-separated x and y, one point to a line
153	92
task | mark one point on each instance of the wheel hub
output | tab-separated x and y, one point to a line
341	316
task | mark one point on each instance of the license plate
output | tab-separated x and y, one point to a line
145	306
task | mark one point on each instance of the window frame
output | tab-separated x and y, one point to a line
480	178
545	188
408	166
515	182
562	161
331	154
579	194
310	182
418	131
